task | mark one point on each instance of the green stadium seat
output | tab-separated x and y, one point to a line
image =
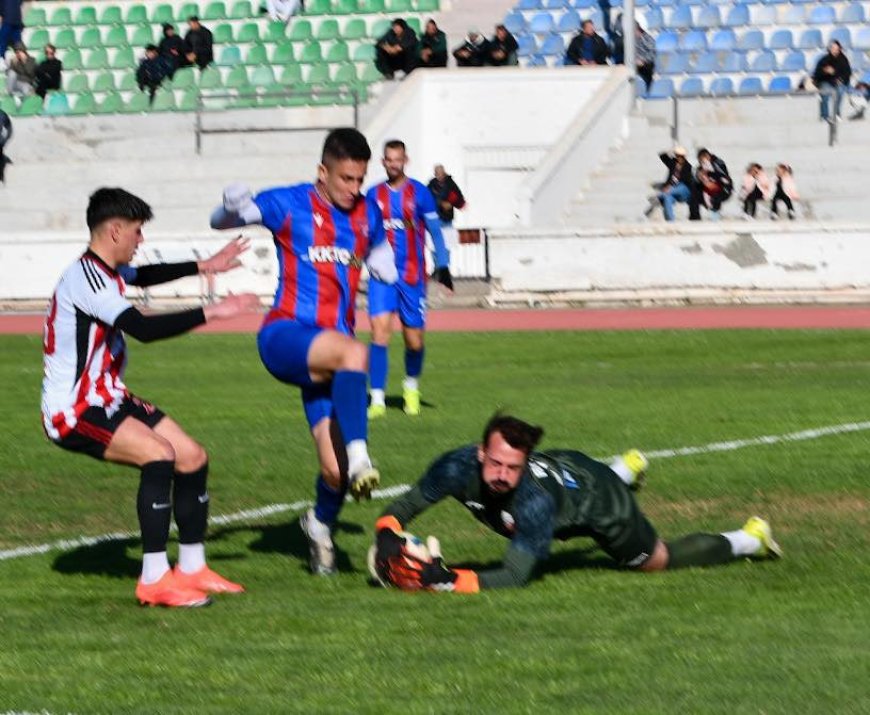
276	31
380	28
97	59
292	74
112	103
35	17
344	7
162	14
189	101
187	10
104	82
415	25
91	38
8	105
84	104
184	78
317	74
243	102
72	59
123	59
111	15
76	84
283	54
237	78
355	29
364	53
223	34
65	38
249	32
257	55
318	7
56	104
62	16
262	76
215	10
86	15
39	39
241	10
276	93
142	36
230	56
136	14
210	78
127	83
311	54
300	31
399	6
164	101
346	74
371	7
328	30
426	5
337	53
370	74
116	37
137	103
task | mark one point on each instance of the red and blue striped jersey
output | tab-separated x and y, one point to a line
409	211
321	250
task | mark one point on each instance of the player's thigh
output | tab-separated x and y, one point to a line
284	347
382	303
189	454
136	443
412	305
382	328
331	351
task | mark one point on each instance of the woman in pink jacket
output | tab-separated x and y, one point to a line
786	191
756	186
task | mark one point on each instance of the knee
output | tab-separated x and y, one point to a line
355	357
192	459
658	560
160	450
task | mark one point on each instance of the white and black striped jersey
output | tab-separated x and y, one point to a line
84	354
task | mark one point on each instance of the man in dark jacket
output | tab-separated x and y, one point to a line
502	48
433	47
172	49
11	24
473	52
397	50
677	184
198	44
712	186
832	78
448	196
587	48
48	72
153	69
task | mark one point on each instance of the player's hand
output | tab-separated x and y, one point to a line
227	258
442	275
232	305
236	196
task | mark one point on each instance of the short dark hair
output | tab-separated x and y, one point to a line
151	48
345	143
394	144
703	150
518	434
193	18
106	204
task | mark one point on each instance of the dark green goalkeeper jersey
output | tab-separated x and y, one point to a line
562	494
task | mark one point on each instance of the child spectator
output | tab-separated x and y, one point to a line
786	191
755	186
153	69
48	72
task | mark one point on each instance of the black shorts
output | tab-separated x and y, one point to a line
95	429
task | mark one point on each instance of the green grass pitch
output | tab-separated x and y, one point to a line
786	637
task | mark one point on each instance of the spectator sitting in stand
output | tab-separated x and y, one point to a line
48	72
502	48
786	191
397	50
587	48
712	188
21	74
198	44
755	187
433	46
831	76
473	52
675	187
172	49
153	69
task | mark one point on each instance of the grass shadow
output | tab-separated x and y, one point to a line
288	539
395	402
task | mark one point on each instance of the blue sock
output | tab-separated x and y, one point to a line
349	403
328	503
378	366
414	362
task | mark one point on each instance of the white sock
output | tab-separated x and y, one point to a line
357	456
316	529
379	397
742	544
191	557
154	565
411	383
619	466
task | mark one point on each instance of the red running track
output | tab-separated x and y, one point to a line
716	318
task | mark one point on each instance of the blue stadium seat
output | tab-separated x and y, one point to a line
763	15
781	40
586	4
794	61
751	40
667	41
661	89
526	45
553	45
666	3
542	24
515	23
692	87
780	84
774	2
556	4
654	19
738	16
673	63
733	62
841	35
865	78
569	22
750	85
721	85
709	17
724	40
862	39
681	18
537	60
853	14
705	64
811	39
56	104
763	62
529	5
694	41
822	15
794	15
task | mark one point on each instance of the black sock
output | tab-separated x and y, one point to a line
699	550
190	497
153	505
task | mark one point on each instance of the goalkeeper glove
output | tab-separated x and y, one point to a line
442	275
236	197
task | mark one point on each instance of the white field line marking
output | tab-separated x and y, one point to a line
399	489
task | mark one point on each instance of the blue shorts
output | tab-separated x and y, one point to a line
284	346
409	301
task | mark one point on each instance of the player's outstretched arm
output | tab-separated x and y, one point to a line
227	258
156	273
238	209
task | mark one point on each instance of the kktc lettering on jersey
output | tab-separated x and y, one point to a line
333	254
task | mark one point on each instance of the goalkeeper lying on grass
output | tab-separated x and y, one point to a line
532	497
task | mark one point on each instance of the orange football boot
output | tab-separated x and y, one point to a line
168	592
206	580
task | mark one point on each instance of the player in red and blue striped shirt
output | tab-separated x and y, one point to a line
323	233
409	211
